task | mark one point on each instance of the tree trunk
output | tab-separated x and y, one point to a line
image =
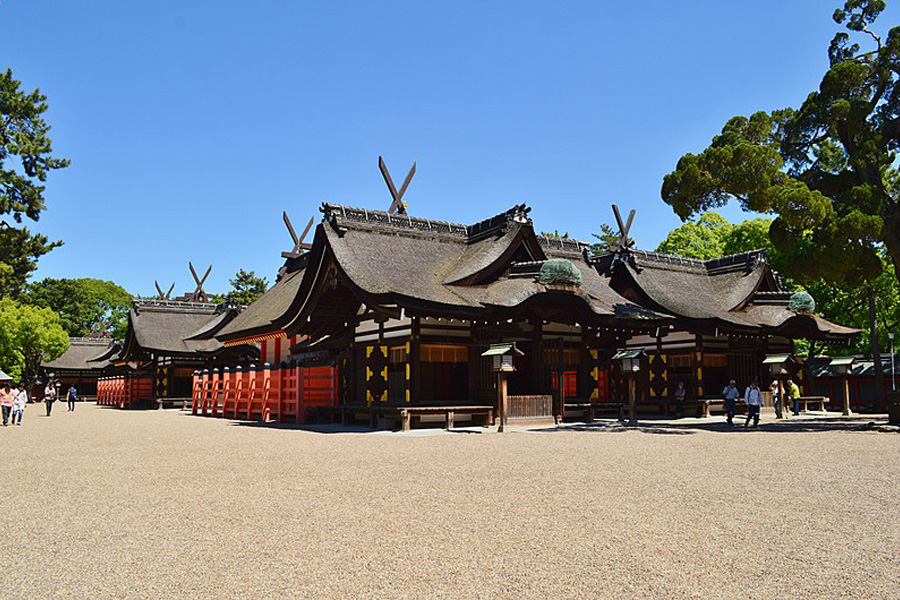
876	350
891	236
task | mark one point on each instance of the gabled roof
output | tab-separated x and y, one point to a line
170	327
80	354
402	261
739	292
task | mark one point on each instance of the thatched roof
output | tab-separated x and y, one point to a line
80	354
740	293
433	266
175	328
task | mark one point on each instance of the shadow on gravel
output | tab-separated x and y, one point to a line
690	427
323	428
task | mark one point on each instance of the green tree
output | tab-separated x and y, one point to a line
25	160
606	239
825	169
246	288
704	239
84	305
28	336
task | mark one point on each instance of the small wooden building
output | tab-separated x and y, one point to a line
730	313
84	362
166	341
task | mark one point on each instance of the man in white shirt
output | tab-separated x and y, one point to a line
753	398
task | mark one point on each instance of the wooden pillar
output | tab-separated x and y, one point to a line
847	411
538	383
267	393
698	366
415	361
560	410
502	400
474	364
301	393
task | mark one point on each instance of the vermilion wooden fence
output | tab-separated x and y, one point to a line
280	393
124	391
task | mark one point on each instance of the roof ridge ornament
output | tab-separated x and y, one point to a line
622	249
199	294
162	296
397	204
624	243
299	244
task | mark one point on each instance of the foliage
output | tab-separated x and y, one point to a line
246	288
84	305
606	239
28	336
838	303
25	160
825	169
704	239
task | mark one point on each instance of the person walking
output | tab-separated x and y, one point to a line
49	396
72	396
753	398
731	394
680	394
776	398
19	403
6	401
793	393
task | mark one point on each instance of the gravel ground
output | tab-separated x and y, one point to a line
108	503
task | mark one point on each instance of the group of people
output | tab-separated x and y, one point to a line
12	403
752	397
14	398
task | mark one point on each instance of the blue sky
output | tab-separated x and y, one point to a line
192	125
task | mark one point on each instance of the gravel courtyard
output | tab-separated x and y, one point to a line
126	504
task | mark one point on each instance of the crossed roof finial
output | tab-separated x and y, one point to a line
397	204
199	293
299	244
163	296
624	243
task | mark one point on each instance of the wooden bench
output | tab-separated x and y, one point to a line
740	407
591	409
819	401
408	412
182	403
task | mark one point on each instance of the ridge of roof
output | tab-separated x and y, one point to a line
564	244
346	215
713	266
91	340
341	215
139	304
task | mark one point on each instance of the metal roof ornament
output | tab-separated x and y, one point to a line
199	293
397	204
299	244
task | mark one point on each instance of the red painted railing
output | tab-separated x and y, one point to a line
268	393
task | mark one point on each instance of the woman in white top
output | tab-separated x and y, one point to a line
19	403
753	398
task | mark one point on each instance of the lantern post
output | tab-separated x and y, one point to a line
843	366
502	363
631	366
